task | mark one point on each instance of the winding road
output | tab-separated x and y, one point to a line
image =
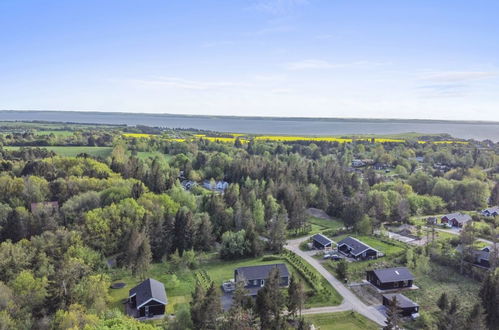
350	300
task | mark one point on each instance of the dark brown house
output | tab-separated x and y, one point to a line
390	278
254	277
147	300
456	219
406	306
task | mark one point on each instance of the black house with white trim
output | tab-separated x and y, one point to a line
354	248
406	306
390	278
321	242
147	300
255	276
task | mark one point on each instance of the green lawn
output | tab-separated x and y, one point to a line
317	225
73	151
218	271
341	321
389	247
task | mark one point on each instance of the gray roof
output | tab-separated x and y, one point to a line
261	271
322	239
491	210
147	290
402	301
356	246
460	217
393	274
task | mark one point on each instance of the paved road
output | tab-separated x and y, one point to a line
350	300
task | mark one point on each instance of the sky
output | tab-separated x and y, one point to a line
295	58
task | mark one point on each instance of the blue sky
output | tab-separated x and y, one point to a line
318	58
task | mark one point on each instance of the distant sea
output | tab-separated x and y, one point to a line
265	125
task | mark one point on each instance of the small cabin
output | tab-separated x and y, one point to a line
147	300
254	277
406	306
356	249
390	278
456	219
321	242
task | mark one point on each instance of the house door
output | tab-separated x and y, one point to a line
147	311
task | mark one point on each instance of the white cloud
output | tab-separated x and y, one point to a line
180	83
457	76
278	6
312	64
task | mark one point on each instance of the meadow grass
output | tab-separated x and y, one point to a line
341	321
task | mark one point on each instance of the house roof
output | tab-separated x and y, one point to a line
459	217
402	301
491	210
395	274
149	290
356	246
322	239
261	271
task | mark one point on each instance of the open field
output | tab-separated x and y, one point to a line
341	321
146	154
73	151
317	225
217	271
443	279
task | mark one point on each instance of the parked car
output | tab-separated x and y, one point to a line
336	257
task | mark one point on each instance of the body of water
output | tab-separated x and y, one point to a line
279	126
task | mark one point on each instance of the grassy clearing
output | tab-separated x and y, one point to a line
341	321
444	279
74	151
317	225
217	271
144	155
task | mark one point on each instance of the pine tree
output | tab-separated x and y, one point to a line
392	315
278	231
212	307
198	313
476	319
270	302
489	293
296	296
443	302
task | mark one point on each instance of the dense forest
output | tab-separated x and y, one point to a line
68	224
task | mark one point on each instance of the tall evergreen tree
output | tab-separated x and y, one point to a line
489	293
296	297
270	302
277	231
392	315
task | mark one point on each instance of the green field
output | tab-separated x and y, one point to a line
73	151
341	321
218	271
318	225
55	132
152	154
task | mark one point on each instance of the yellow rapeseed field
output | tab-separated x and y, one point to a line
285	138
